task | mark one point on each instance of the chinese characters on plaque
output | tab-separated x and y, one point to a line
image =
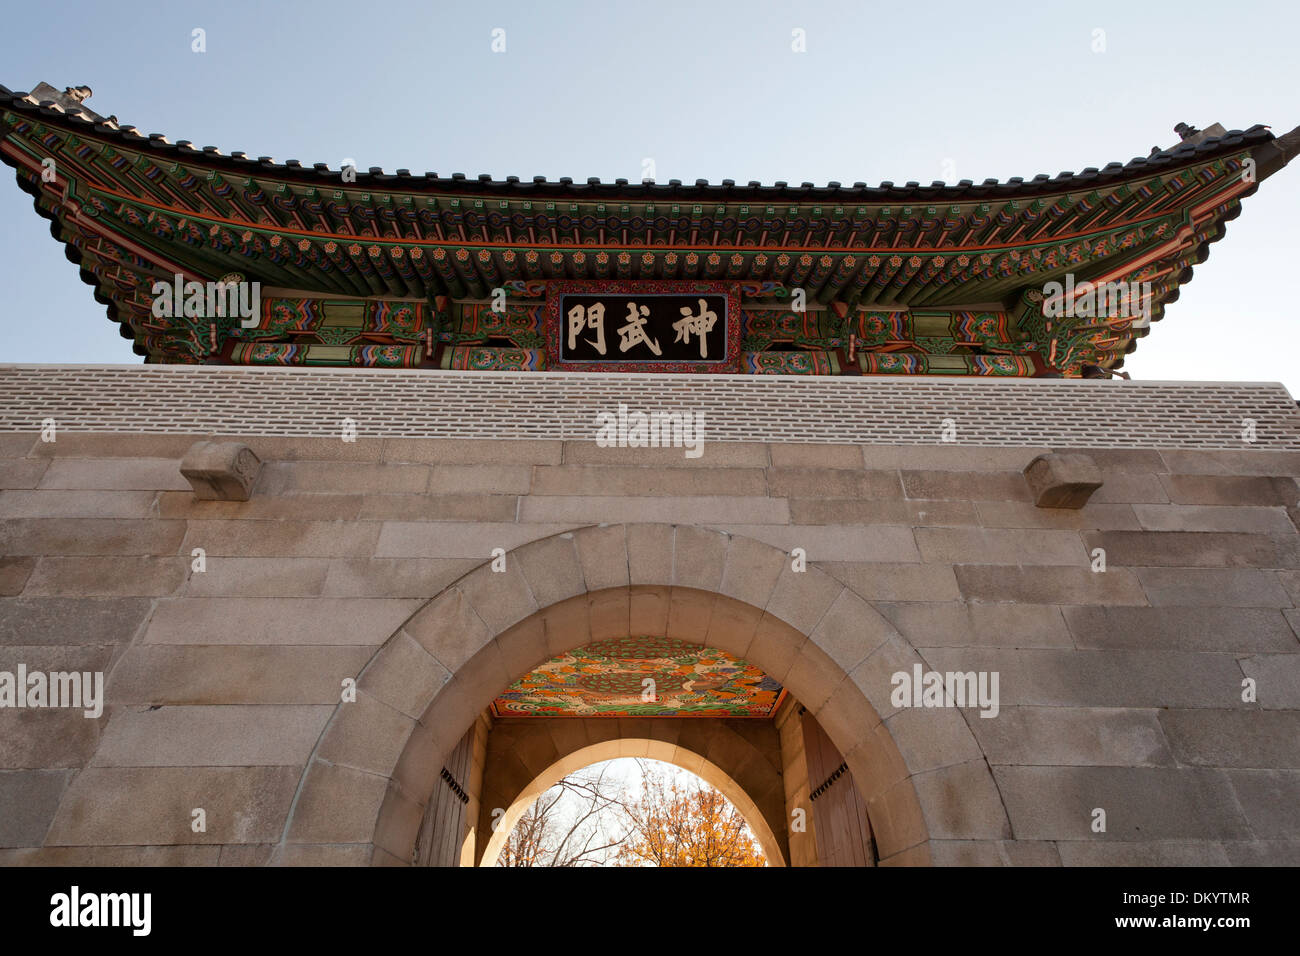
653	327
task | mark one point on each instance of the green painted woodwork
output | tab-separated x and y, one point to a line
132	217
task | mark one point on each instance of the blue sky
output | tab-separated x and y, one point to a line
707	90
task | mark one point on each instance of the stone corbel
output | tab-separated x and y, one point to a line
1062	481
221	471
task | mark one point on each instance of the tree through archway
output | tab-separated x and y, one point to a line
632	812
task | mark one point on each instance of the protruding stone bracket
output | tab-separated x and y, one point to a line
222	471
1062	481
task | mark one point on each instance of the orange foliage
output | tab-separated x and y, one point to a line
677	824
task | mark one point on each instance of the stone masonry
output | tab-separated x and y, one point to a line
1121	689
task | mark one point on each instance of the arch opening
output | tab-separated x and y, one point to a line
659	753
447	664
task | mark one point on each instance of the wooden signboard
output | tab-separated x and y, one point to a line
643	326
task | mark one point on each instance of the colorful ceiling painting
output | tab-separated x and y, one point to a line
642	677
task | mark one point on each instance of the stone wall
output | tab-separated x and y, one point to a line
1120	690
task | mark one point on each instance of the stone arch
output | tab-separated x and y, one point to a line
657	745
923	775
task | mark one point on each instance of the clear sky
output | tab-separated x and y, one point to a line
708	89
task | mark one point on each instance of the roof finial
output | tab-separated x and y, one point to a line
71	100
1193	136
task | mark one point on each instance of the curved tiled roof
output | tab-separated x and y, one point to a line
1158	161
999	263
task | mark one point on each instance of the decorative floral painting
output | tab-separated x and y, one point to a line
642	676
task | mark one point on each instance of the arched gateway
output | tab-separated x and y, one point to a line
382	757
377	381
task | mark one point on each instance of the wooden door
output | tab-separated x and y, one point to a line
442	831
839	812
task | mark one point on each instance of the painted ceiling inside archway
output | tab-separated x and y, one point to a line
642	677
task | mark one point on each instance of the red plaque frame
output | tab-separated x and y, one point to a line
555	321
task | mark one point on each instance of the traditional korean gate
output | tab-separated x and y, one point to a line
839	812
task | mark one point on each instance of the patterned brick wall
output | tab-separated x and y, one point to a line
557	405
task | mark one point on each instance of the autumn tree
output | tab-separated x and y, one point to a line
591	818
568	825
682	821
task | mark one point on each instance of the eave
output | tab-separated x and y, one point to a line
132	207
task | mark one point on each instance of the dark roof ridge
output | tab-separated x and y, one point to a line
1183	153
